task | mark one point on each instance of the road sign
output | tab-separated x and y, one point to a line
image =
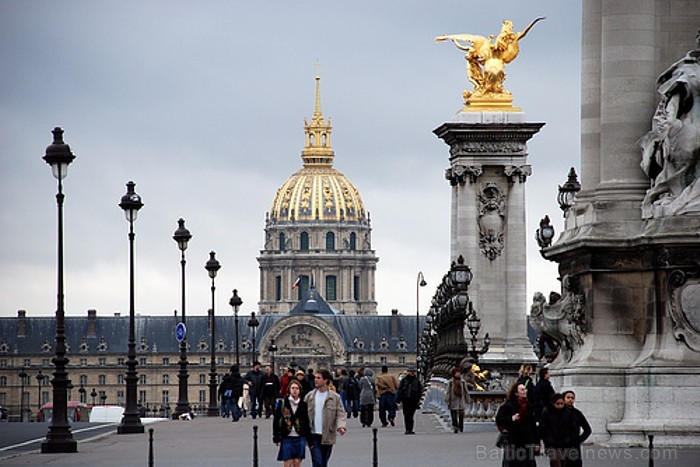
180	332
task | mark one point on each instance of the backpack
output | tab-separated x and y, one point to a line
351	387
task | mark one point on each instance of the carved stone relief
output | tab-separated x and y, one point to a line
517	173
491	206
684	307
458	174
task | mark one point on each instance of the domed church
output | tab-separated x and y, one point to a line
318	240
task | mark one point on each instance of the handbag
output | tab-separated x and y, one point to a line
502	439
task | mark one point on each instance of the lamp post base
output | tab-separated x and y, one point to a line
131	424
55	446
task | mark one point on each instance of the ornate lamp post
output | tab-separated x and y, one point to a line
59	437
93	394
40	378
212	267
474	325
131	422
273	350
236	302
182	236
545	233
420	282
567	192
253	323
22	380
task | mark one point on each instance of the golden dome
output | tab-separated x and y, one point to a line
317	192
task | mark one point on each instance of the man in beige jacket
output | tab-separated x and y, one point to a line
387	385
326	416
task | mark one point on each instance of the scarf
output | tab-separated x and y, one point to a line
457	387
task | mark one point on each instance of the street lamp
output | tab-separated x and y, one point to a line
545	233
567	192
236	302
253	323
59	437
131	422
82	392
272	349
93	394
22	380
212	267
420	282
474	325
182	236
40	378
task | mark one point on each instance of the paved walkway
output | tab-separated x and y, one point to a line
218	441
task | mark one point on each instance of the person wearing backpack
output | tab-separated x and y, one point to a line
367	398
352	392
409	395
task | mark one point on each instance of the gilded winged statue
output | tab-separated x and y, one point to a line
486	57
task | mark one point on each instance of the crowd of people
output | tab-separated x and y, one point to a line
310	408
535	413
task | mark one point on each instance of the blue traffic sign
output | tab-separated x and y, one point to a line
180	332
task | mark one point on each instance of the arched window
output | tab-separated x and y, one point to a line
330	288
330	241
304	241
323	140
353	241
282	242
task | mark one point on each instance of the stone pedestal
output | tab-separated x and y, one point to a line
488	170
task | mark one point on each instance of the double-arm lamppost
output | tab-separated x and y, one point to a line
236	302
131	421
93	394
212	267
182	236
82	392
59	437
22	380
420	282
253	323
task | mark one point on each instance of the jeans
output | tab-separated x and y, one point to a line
457	420
409	411
235	410
226	406
320	453
387	404
256	405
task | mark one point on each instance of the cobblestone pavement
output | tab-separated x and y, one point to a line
218	441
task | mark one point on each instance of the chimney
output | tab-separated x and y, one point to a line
92	323
21	323
394	323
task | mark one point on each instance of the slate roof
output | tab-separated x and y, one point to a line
157	333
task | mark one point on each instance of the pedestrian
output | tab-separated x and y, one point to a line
542	394
387	385
352	393
409	394
310	377
290	426
326	416
305	388
287	376
340	384
456	397
525	378
367	398
559	432
584	428
237	389
224	394
270	384
244	400
515	416
255	389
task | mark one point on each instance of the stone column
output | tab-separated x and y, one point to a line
488	170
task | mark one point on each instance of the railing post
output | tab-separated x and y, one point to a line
651	450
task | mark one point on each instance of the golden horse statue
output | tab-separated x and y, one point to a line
486	60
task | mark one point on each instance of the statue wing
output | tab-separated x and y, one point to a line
481	46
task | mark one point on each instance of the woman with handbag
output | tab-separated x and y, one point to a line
516	416
290	426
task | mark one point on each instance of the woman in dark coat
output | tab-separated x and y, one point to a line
291	427
517	418
560	433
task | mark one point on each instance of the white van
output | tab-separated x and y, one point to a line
107	414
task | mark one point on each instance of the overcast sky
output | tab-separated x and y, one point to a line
202	104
